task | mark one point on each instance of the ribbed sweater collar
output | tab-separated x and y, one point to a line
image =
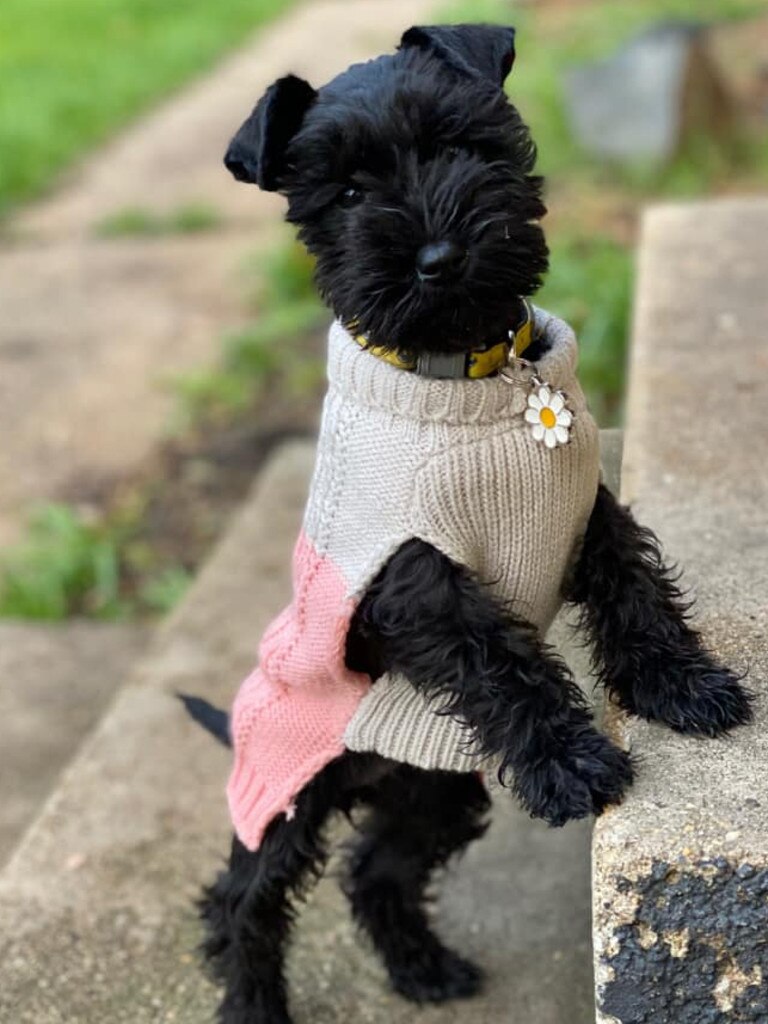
372	383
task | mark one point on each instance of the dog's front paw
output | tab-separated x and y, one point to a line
436	975
585	775
694	696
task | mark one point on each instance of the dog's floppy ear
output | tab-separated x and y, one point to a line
256	152
487	51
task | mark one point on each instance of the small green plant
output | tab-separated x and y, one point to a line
266	346
253	358
72	565
128	223
289	276
207	393
193	218
265	352
163	592
280	277
66	566
590	286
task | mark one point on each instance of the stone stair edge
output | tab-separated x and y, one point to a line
678	868
53	692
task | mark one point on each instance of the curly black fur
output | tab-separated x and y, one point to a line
635	616
410	149
396	153
369	186
416	821
429	619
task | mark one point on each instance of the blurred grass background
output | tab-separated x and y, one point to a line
554	36
74	71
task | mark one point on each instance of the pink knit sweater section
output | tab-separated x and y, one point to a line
298	701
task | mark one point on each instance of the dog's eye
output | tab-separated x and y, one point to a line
351	196
453	151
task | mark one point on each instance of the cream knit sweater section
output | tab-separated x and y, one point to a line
455	464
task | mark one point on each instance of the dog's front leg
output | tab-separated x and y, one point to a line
430	620
644	651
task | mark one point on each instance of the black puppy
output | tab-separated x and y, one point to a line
410	179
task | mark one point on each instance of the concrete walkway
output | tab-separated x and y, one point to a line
56	682
96	920
92	329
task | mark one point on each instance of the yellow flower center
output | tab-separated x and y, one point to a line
548	418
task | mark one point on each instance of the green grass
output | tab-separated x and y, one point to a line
590	286
266	354
194	218
69	565
163	592
72	71
66	566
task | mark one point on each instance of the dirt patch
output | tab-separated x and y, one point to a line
181	498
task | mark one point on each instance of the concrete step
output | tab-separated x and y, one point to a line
96	918
681	868
55	683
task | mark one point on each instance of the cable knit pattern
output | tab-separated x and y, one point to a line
451	462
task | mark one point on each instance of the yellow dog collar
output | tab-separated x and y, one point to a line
455	365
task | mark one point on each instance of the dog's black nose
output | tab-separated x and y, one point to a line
440	261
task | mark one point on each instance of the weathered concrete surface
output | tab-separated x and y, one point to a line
55	684
95	907
681	869
92	329
611	448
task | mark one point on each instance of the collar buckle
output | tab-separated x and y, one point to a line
521	338
442	365
496	359
518	372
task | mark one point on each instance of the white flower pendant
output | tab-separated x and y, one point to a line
548	416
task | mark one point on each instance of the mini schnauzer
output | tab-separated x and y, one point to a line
410	179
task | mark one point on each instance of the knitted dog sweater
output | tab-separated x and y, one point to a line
453	463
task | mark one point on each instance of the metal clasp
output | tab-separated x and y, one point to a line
518	373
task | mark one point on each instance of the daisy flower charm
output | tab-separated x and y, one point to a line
549	419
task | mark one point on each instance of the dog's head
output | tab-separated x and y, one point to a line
410	179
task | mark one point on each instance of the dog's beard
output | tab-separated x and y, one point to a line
380	292
369	277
